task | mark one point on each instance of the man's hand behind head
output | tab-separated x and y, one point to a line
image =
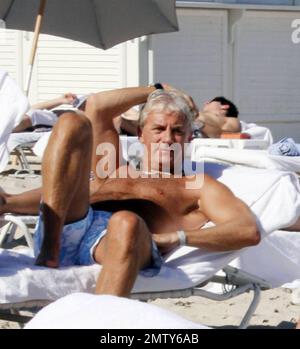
191	103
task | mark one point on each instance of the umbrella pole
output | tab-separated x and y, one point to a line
37	29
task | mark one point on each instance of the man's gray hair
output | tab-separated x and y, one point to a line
163	100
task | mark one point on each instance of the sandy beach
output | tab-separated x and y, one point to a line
275	309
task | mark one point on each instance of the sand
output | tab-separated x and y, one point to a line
275	309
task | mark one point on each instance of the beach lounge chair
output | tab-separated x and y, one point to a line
21	145
12	223
22	151
279	264
185	270
24	286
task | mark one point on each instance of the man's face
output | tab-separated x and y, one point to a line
216	108
162	130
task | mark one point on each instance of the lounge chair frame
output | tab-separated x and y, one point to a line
21	152
238	280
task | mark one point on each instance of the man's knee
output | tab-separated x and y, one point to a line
126	221
125	229
76	125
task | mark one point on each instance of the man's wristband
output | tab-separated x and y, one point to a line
157	86
182	237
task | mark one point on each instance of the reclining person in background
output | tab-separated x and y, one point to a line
37	121
222	115
139	218
40	114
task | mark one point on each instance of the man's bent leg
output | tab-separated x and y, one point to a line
125	249
65	171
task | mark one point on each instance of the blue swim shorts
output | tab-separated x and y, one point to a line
79	239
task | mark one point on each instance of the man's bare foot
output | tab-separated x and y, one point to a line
47	260
298	325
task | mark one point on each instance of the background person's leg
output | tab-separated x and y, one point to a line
65	172
125	249
24	203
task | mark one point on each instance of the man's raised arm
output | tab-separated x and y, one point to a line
115	102
101	108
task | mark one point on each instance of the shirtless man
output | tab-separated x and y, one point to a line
219	115
151	213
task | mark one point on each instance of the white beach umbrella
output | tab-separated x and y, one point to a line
101	23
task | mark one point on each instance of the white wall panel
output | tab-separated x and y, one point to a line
267	71
194	58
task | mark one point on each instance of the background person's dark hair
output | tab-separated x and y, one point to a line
232	111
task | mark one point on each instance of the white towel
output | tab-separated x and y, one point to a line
276	259
13	105
247	157
42	117
87	311
18	138
257	132
40	146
